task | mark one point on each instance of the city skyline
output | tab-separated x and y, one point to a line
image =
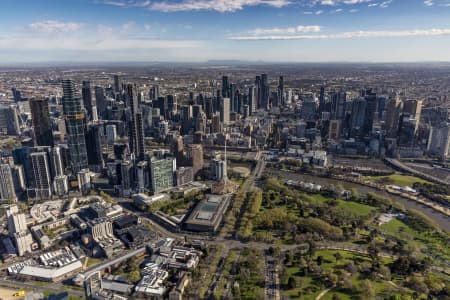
202	30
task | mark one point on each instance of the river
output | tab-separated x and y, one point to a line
439	218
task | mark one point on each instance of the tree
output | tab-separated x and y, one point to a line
292	283
134	276
367	289
319	260
337	256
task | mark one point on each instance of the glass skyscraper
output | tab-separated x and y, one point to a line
75	126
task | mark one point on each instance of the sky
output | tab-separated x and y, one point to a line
37	31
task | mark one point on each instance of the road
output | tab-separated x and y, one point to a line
37	287
114	261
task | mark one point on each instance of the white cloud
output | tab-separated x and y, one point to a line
319	12
50	26
285	30
190	5
52	36
428	2
349	35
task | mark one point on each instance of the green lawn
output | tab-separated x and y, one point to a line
395	226
397	179
356	208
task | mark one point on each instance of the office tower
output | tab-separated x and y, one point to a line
371	111
334	131
177	149
308	110
414	109
16	95
75	126
94	139
215	124
143	176
233	97
154	92
100	100
194	153
18	176
9	120
42	175
57	161
358	114
18	230
136	125
21	156
7	191
86	94
258	91
407	131
111	133
117	84
126	177
84	181
252	101
161	104
393	109
225	111
162	173
172	105
321	100
184	175
280	91
41	122
218	169
265	91
338	102
196	111
439	140
119	150
60	185
225	87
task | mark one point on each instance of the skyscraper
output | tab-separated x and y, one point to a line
86	94
225	87
265	91
18	230
252	100
94	138
100	100
7	192
162	173
9	120
225	111
195	156
338	102
393	109
42	175
75	126
280	91
136	126
116	84
41	122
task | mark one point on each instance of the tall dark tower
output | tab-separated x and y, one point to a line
265	91
100	100
136	126
321	101
116	84
258	92
75	126
86	94
280	91
225	87
41	122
